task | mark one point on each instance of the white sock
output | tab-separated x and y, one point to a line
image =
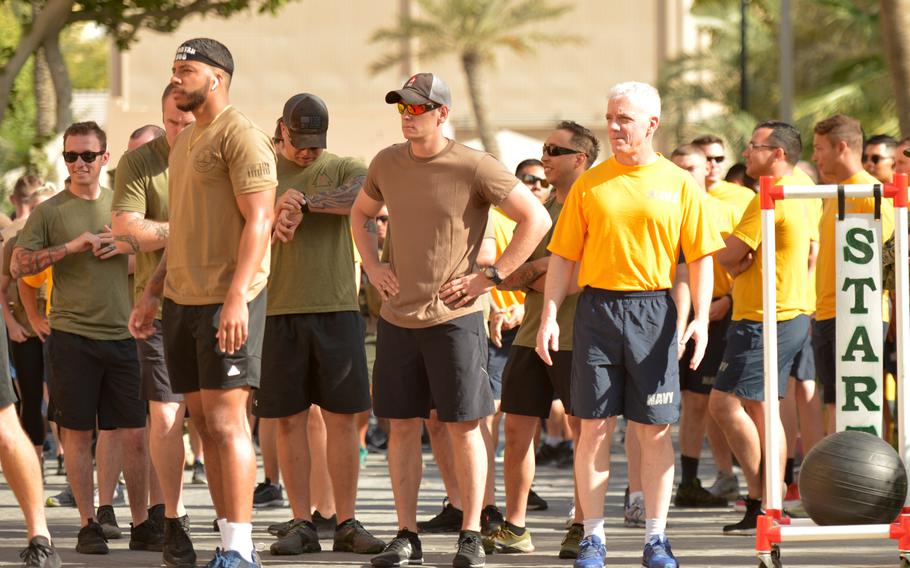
634	495
552	441
654	527
240	539
595	527
222	530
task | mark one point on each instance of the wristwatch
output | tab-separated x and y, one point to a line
305	208
492	273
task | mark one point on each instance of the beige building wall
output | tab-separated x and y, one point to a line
324	48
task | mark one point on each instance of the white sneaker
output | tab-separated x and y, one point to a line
726	486
571	517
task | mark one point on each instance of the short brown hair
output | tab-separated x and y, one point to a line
25	186
687	150
842	128
706	139
84	129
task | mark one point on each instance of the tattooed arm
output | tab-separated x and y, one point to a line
27	262
336	202
142	318
134	233
528	276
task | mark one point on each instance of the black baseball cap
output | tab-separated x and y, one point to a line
307	120
422	88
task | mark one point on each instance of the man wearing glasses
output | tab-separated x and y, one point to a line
431	344
92	357
313	314
736	195
738	399
639	210
529	385
532	174
878	157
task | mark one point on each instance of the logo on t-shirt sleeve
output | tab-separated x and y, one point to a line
261	169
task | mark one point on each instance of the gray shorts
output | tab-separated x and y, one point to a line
624	356
742	371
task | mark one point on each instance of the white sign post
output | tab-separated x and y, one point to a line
859	346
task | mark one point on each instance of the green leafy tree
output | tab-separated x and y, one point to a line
474	31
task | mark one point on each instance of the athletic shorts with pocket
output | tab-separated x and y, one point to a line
529	385
154	382
701	380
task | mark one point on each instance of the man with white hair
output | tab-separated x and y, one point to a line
638	209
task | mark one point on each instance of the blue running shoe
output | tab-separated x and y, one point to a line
657	554
232	559
591	553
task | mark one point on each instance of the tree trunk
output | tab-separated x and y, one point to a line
472	65
895	18
44	99
63	87
50	20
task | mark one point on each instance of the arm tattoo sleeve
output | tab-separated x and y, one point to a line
370	226
28	262
130	240
341	198
522	278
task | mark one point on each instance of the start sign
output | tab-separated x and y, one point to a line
859	324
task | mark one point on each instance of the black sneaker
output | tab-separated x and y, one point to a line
694	495
566	459
215	526
750	519
448	520
146	536
267	494
108	520
178	551
403	550
199	477
281	529
156	515
490	520
300	538
91	539
470	551
536	502
325	526
546	455
350	536
61	466
40	554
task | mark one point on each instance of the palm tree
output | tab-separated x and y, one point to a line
896	35
473	30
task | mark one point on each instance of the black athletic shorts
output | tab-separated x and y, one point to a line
743	373
497	358
803	368
194	360
154	381
94	381
442	366
824	345
701	380
624	347
529	384
313	359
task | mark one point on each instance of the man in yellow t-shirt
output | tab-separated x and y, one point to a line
738	398
837	151
736	195
624	223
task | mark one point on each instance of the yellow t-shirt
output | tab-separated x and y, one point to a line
826	295
725	218
503	227
736	195
792	234
626	225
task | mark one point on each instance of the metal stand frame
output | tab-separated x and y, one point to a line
772	527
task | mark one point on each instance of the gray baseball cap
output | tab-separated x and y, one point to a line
422	88
307	120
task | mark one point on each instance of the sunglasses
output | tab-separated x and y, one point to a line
716	159
553	150
875	158
88	157
383	218
531	179
417	110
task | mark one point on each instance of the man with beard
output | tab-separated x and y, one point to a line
140	227
221	191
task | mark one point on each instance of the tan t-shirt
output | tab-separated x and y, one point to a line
314	273
209	168
91	297
140	186
565	317
439	208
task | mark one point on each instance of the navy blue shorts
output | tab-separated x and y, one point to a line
803	368
824	339
529	385
497	358
624	356
742	371
701	380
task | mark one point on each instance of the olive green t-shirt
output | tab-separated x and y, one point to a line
12	293
91	297
140	186
439	207
565	317
314	272
208	168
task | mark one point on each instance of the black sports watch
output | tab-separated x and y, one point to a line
492	273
